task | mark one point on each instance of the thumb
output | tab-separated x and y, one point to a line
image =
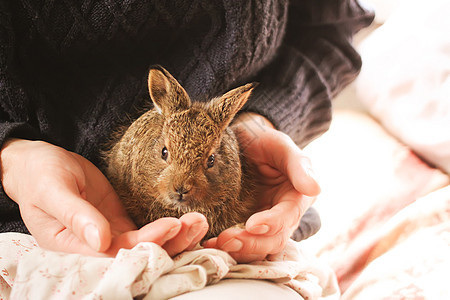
301	174
80	217
290	160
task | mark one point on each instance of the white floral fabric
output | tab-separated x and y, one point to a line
30	272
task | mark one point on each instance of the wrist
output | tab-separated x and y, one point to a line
251	117
12	159
249	127
11	151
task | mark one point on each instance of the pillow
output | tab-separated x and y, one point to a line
405	78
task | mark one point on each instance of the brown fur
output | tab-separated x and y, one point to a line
191	131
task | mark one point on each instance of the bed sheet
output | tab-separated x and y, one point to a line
385	213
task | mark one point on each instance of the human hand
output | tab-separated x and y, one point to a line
286	189
68	205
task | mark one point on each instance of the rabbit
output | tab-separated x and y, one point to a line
181	156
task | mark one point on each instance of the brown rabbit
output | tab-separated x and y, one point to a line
181	156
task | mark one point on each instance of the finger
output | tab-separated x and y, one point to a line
285	215
157	232
194	228
51	234
77	214
289	159
238	256
198	238
244	258
306	182
211	243
241	242
103	196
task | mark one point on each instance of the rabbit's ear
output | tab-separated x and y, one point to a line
222	110
167	94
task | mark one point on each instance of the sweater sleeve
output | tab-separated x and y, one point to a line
17	116
14	115
315	62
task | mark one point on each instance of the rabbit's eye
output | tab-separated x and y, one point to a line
210	162
164	153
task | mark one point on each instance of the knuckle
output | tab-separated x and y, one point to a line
298	213
285	139
252	246
69	219
45	184
279	229
279	244
303	207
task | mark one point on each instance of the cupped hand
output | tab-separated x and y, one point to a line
68	205
286	189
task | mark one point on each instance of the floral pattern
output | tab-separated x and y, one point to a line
30	272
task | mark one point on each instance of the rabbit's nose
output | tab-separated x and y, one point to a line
182	190
181	193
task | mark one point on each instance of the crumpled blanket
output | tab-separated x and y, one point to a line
385	214
409	256
30	272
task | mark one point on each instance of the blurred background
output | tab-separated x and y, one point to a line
384	164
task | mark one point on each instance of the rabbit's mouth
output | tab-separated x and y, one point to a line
182	200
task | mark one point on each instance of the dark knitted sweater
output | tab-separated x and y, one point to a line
70	70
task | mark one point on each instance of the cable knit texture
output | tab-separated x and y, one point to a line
70	71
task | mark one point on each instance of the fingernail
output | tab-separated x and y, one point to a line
173	232
260	229
307	166
194	230
232	246
92	236
211	241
